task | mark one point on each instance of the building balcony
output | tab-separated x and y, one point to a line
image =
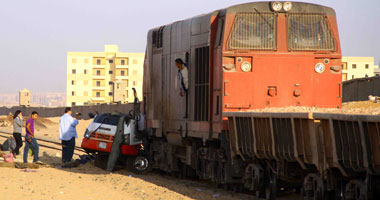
121	77
98	66
122	66
98	77
98	98
98	87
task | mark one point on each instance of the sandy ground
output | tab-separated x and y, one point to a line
89	182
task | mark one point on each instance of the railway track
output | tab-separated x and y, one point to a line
45	143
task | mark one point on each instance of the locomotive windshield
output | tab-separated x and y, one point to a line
254	31
309	32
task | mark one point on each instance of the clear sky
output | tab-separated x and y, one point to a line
36	35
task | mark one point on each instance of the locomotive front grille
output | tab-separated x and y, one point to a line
254	31
309	32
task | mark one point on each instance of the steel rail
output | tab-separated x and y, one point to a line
44	140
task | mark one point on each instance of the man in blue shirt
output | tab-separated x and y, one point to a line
68	133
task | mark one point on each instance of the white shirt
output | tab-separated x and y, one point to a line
67	128
185	77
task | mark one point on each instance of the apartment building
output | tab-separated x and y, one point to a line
103	77
358	67
24	97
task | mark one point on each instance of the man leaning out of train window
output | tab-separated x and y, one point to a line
183	76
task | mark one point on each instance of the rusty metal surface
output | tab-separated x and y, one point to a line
350	143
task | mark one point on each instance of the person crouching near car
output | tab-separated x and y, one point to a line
30	140
67	134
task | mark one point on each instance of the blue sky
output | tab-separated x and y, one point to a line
36	35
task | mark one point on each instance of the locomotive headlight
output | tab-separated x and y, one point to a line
287	6
319	68
276	6
246	66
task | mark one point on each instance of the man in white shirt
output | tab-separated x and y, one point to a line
68	133
183	74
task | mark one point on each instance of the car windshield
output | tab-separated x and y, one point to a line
107	119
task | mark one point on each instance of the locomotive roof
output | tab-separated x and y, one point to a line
297	7
265	6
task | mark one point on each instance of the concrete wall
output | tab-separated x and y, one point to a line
57	112
360	89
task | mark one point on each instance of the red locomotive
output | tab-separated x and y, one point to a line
245	57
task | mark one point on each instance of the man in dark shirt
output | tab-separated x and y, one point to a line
30	140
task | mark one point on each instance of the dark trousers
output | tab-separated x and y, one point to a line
68	149
18	139
187	104
35	148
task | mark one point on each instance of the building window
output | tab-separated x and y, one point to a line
73	71
353	76
366	75
72	103
110	61
86	60
110	72
98	62
127	72
118	86
134	83
353	66
122	73
74	60
72	82
85	93
98	72
344	76
72	93
367	66
134	61
110	83
97	83
344	66
122	62
109	93
134	72
85	71
97	94
85	82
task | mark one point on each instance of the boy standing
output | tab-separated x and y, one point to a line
30	140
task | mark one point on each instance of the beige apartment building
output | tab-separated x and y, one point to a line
358	67
24	97
103	77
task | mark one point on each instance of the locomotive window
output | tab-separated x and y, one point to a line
309	32
157	37
254	31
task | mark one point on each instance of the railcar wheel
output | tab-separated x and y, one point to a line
356	190
314	187
253	177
